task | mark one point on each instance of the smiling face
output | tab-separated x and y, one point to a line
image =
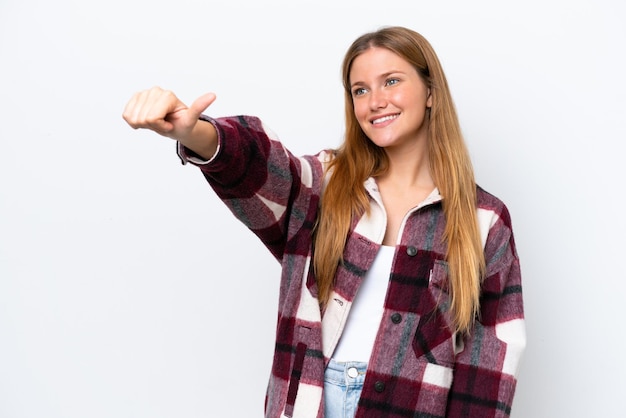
390	99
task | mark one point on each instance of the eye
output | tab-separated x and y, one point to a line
359	91
391	81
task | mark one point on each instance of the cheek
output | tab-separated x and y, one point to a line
360	112
404	99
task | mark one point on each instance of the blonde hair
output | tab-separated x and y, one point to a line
358	158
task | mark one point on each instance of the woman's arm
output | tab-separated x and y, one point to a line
261	182
485	373
274	193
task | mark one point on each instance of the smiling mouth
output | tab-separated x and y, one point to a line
384	119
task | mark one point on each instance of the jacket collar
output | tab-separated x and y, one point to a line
372	189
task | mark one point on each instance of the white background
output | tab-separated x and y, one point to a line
128	290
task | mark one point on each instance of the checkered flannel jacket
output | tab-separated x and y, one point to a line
418	366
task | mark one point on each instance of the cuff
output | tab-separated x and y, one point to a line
188	156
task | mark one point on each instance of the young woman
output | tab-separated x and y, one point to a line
400	293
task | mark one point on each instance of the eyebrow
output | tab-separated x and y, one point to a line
382	76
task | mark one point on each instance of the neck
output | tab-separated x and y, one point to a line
409	168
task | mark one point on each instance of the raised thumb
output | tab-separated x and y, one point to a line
202	103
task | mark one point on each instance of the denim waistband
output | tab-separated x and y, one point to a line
345	373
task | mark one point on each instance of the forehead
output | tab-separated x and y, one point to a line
376	62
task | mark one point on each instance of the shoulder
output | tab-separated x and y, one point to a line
491	206
322	161
496	229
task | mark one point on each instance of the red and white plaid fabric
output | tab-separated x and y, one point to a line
418	367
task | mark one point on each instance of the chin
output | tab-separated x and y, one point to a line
383	142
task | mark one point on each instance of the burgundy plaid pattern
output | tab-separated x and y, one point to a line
418	367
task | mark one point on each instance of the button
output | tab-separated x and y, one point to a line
379	386
411	251
353	372
396	318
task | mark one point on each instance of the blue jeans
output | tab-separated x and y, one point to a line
343	383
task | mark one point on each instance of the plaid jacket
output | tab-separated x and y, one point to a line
418	366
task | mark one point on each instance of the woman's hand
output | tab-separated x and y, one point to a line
162	112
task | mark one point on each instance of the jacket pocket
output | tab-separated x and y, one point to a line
434	339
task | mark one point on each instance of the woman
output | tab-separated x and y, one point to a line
436	328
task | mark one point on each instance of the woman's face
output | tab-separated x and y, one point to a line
390	99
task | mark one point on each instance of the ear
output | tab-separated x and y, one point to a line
429	100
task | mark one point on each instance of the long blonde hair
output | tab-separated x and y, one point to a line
358	158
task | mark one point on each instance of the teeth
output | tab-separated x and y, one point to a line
384	119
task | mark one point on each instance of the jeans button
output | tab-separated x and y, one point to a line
353	372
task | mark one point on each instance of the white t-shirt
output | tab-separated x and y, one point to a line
358	336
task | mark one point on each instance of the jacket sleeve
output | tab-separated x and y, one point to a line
262	183
485	373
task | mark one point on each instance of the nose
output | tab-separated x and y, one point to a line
378	99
